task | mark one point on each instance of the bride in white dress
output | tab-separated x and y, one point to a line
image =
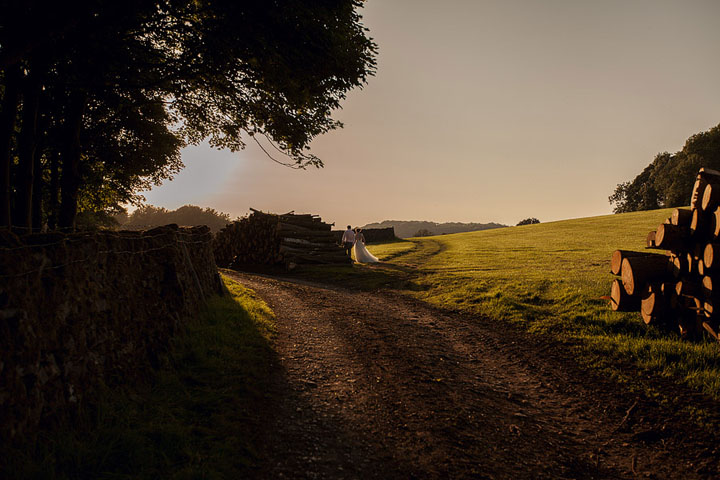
361	253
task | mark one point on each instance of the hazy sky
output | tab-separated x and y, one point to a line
490	111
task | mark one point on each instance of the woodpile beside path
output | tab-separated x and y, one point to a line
680	289
269	239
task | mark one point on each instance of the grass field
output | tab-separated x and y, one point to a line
185	424
549	278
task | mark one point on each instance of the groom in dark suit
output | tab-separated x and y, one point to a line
348	239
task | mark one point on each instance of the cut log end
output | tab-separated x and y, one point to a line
636	271
620	301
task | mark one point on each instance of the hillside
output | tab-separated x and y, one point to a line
408	228
550	277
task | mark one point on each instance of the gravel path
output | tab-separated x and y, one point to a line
374	385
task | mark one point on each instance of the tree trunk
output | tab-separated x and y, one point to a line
53	203
7	127
70	181
26	151
39	185
37	191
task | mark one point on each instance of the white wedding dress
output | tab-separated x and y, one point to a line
361	253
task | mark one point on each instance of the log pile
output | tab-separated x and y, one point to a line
269	239
678	290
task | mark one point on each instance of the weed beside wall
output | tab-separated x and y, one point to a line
82	310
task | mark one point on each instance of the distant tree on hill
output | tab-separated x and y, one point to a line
149	216
423	232
528	221
669	179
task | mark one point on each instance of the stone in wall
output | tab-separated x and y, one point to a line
80	309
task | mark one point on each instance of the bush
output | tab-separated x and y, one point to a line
528	221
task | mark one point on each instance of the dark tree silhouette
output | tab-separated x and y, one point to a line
423	232
528	221
149	216
669	179
99	96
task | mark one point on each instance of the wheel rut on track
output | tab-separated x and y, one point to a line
375	385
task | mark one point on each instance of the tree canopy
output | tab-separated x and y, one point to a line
149	216
528	221
99	97
668	180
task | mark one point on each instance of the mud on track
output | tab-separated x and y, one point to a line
374	385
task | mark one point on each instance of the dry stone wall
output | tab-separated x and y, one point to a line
84	309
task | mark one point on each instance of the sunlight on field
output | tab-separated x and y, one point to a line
390	250
550	277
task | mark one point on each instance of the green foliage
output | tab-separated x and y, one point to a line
388	250
423	232
669	179
528	221
274	71
142	79
193	422
148	216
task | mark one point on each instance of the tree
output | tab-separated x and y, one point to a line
423	232
126	84
187	215
528	221
669	179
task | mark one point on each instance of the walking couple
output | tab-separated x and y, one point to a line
354	245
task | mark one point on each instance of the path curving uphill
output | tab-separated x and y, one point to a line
378	386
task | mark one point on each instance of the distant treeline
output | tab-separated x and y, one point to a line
668	180
410	228
149	216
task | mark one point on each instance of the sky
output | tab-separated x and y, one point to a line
489	111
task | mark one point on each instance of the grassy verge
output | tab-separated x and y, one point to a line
549	278
386	251
388	274
192	422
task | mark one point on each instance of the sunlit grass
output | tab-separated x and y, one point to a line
196	420
386	251
549	278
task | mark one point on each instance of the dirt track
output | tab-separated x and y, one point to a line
373	385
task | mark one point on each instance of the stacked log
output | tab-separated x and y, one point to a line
678	289
269	239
